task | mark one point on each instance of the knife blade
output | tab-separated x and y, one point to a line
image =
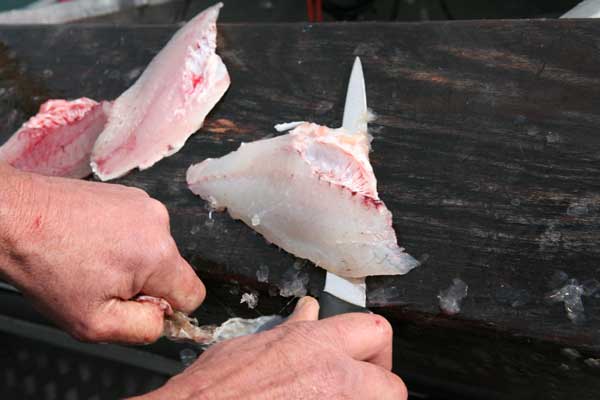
342	295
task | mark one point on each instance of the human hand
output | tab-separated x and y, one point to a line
344	357
82	251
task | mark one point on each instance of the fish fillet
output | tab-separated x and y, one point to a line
311	192
167	104
58	140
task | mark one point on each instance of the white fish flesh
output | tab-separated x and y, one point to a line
311	192
167	104
58	140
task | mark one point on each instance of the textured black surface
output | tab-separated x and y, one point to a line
33	370
485	144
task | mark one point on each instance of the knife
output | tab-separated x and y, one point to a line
344	295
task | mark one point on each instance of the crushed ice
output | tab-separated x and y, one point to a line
570	294
451	298
251	299
294	283
187	357
255	220
262	274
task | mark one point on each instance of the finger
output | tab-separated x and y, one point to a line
178	284
307	309
128	322
376	383
364	337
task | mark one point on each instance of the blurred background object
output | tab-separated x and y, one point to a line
169	11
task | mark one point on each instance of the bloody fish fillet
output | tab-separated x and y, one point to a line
311	192
168	103
58	140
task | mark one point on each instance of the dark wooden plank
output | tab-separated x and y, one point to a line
486	139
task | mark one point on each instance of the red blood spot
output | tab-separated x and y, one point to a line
37	222
377	322
196	80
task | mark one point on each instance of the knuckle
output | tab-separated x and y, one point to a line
165	249
383	326
137	191
159	210
394	385
337	373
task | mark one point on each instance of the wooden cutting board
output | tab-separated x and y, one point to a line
486	149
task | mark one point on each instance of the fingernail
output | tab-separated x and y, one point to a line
303	302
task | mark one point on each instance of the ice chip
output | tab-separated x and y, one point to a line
251	299
451	298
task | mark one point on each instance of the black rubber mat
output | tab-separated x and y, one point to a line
31	369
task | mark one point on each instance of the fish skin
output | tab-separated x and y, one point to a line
58	140
316	198
167	104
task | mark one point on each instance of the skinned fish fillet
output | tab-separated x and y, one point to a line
311	192
167	104
58	140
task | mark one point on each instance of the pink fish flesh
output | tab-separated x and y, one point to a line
311	192
167	104
58	140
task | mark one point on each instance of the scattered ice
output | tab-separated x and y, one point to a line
250	298
451	298
195	229
533	131
234	289
298	264
134	73
382	296
262	274
570	294
294	283
255	220
570	353
187	357
47	73
550	238
552	137
371	116
592	362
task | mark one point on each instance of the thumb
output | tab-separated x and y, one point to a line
307	309
130	322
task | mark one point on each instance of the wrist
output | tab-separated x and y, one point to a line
15	215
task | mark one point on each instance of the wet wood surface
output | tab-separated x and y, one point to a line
486	149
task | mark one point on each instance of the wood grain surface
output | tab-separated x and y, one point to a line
486	149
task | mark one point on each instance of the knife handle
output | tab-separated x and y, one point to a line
331	305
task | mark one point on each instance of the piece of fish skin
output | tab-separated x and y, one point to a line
58	140
167	104
311	192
